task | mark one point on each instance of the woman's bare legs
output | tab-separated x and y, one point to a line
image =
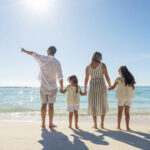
76	119
120	110
95	121
127	116
70	119
102	121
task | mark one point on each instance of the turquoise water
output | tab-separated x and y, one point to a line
27	100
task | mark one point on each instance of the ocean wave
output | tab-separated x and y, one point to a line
64	112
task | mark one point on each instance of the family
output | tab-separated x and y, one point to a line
50	69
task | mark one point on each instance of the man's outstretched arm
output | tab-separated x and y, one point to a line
27	52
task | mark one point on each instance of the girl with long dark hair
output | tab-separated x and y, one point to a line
73	99
124	94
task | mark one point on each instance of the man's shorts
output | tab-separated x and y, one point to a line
48	96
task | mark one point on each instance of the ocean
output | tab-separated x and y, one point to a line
21	100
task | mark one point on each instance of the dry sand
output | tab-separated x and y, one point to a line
27	135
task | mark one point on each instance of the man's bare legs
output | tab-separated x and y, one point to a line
95	121
102	121
76	119
120	110
51	113
127	116
43	114
70	119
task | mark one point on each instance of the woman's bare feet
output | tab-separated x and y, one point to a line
102	126
52	126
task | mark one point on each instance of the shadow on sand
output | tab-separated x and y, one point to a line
129	137
54	140
99	140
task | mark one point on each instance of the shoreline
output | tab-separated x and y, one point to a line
142	119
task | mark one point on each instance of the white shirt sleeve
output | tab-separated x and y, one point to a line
59	72
39	58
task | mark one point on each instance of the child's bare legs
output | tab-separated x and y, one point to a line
127	116
43	114
76	119
120	110
95	121
102	121
70	119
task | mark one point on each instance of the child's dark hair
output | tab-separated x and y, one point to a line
129	78
74	79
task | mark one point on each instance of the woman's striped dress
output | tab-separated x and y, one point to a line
97	98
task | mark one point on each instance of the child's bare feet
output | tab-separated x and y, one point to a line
52	126
95	126
76	126
129	129
102	126
70	126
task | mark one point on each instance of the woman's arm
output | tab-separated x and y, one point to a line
86	80
106	75
113	87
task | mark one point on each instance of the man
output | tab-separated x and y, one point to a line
50	68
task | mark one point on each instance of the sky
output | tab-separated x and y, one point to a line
120	30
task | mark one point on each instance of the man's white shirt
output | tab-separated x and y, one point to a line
50	70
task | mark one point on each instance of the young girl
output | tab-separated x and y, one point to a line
73	99
124	94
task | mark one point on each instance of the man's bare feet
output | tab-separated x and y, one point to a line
52	126
102	126
118	128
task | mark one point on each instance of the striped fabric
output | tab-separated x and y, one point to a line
97	98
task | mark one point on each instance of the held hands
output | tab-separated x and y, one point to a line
109	89
85	92
61	90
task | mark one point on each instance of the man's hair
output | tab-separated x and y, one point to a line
52	49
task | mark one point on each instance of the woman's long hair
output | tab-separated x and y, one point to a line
95	58
129	78
74	79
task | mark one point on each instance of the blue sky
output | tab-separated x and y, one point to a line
118	29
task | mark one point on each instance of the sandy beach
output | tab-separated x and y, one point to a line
28	135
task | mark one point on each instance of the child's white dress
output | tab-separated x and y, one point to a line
124	93
73	98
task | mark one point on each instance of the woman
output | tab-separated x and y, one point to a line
97	97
